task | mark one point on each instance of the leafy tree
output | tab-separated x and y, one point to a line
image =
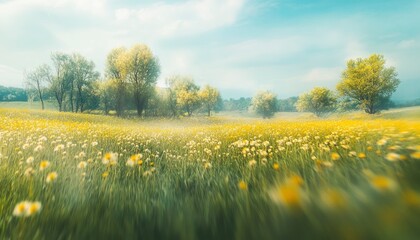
62	78
265	104
84	76
9	94
241	104
113	73
369	82
36	80
209	97
184	93
288	104
159	103
141	69
318	101
107	94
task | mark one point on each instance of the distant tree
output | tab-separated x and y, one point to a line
209	97
219	104
265	104
37	79
107	94
113	73
9	94
288	104
184	93
62	79
319	101
159	105
141	69
369	82
241	104
84	77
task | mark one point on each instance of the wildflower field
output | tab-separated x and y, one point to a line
79	176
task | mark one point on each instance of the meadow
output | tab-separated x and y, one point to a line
81	176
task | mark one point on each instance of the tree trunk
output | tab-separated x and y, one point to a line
42	100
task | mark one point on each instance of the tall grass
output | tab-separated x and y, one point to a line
319	179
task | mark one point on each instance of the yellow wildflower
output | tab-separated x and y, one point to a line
393	157
252	163
51	177
335	156
110	158
43	165
381	142
289	195
26	209
207	165
415	155
242	185
82	165
382	183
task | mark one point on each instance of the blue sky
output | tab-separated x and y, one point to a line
239	46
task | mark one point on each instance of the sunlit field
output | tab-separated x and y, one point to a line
80	176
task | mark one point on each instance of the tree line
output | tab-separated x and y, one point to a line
365	84
129	83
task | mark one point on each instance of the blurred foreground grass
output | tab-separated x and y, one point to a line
207	178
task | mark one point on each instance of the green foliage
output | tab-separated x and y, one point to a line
84	78
369	82
287	105
113	73
141	69
241	104
10	94
159	103
265	104
319	101
209	97
184	94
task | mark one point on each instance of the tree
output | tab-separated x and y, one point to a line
265	104
318	101
159	103
369	82
63	78
241	104
37	79
107	94
184	93
209	97
113	73
141	69
84	76
288	104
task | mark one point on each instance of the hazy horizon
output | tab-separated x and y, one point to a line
238	46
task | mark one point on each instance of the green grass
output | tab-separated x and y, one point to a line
172	195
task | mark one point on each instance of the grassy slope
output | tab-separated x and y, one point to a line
182	199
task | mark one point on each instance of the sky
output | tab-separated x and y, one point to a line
239	46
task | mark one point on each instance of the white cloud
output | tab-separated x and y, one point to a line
179	19
95	7
323	75
407	44
8	76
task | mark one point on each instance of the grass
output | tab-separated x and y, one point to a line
209	178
